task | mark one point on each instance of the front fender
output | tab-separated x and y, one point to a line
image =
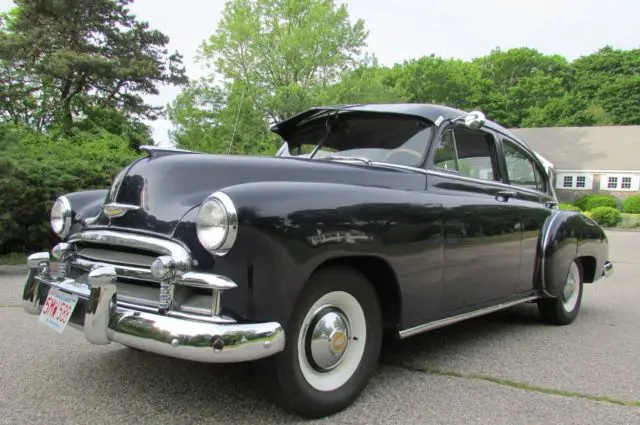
569	235
288	229
84	205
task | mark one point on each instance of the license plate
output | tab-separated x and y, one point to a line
57	309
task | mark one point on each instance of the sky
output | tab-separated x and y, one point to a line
404	29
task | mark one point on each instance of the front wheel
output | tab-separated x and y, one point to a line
333	345
564	309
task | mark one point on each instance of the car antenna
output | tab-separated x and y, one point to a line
233	135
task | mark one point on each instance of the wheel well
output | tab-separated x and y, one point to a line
383	279
588	268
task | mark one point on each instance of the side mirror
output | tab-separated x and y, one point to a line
475	120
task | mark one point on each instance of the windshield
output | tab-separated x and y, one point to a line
365	136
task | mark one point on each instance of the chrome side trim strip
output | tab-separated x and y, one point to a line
406	333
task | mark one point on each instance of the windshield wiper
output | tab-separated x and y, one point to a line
349	158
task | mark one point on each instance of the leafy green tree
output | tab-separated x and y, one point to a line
284	52
432	79
70	55
610	79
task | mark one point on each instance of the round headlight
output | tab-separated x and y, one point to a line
61	216
217	223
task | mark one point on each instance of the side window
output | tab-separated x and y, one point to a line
521	168
466	152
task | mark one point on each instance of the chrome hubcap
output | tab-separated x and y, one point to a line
327	338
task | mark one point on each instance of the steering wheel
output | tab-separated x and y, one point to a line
400	151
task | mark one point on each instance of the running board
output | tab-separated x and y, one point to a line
406	333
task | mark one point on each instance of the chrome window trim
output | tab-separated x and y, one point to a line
496	183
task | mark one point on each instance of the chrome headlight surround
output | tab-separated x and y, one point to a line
217	223
60	217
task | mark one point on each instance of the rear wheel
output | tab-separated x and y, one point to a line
333	345
564	309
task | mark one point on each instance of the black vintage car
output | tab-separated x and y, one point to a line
396	218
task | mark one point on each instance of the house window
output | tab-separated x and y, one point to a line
574	181
620	182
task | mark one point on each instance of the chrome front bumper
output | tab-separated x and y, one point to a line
103	320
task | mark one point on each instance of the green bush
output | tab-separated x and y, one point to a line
606	216
590	202
569	207
37	168
631	205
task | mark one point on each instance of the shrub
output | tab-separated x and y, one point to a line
606	216
37	168
590	202
569	207
631	205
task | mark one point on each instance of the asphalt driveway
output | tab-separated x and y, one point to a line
507	368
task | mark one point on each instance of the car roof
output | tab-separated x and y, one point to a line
427	111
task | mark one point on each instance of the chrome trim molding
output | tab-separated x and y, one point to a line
406	333
489	182
174	335
206	280
608	269
152	149
543	252
232	223
181	255
66	216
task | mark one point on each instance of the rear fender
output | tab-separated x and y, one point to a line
568	235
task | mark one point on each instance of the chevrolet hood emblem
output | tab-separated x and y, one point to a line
115	210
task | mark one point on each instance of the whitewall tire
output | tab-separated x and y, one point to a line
333	345
564	309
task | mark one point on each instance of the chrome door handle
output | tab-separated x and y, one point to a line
503	196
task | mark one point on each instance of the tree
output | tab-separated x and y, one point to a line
62	57
284	52
609	79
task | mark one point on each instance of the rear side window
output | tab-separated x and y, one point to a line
468	153
521	168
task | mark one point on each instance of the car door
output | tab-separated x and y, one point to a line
482	238
534	200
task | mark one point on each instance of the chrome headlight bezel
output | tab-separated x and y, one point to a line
60	217
227	224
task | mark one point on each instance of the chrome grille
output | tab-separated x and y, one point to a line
132	257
